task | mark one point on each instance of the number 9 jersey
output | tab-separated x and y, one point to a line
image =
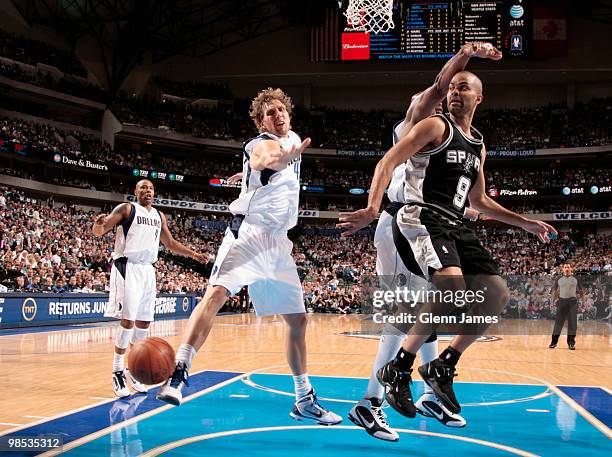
442	177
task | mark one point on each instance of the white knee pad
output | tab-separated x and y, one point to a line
139	334
123	337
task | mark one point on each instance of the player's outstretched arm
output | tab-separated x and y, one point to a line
425	103
486	205
175	246
270	154
105	222
428	131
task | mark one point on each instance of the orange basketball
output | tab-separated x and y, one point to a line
151	360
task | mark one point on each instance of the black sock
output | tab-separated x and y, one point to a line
404	360
450	356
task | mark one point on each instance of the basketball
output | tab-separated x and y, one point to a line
151	360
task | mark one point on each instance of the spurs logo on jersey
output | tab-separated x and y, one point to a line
443	177
269	197
137	237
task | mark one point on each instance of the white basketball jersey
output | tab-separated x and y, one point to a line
395	192
269	197
137	237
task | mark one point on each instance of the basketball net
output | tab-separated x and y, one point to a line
372	16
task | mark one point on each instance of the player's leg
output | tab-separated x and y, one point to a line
439	373
123	299
425	241
306	403
489	298
572	323
145	276
558	327
397	374
429	404
198	328
123	337
231	271
368	412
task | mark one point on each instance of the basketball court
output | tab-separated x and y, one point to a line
519	397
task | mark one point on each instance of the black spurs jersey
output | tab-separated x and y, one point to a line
442	178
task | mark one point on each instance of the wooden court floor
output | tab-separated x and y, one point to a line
47	373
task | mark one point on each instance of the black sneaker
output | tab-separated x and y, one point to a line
172	390
552	345
439	376
571	346
397	389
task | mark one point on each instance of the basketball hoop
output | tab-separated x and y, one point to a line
371	16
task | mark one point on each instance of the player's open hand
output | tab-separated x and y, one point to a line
234	178
201	257
294	152
356	220
485	51
539	228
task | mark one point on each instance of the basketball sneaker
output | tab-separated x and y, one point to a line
369	415
120	384
397	388
134	383
439	376
308	408
428	405
172	390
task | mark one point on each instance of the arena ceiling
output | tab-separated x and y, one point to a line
126	29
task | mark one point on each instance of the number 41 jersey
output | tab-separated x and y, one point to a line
442	177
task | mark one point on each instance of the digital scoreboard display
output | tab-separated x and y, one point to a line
426	29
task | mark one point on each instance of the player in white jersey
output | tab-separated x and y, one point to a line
368	413
140	227
257	253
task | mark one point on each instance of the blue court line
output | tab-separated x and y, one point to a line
594	399
82	423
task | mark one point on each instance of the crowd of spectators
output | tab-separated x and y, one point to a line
587	124
46	247
534	178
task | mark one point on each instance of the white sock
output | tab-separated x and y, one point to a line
387	349
118	362
185	354
427	353
302	385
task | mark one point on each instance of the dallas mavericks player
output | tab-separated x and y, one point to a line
367	413
256	252
132	286
447	156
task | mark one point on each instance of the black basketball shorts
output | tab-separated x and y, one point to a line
428	241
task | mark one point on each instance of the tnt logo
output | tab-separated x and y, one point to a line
28	309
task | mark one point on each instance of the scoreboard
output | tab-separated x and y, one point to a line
426	29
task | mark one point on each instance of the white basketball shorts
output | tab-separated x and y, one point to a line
132	291
262	260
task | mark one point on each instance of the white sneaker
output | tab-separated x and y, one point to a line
134	383
429	406
308	408
172	390
120	384
368	413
